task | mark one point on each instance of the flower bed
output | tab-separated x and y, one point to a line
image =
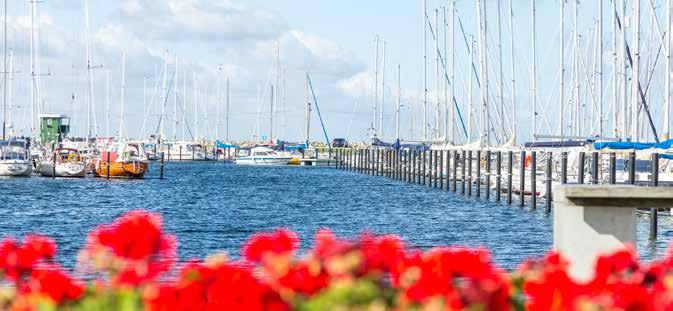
131	265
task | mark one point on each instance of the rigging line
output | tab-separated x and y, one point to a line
446	77
166	98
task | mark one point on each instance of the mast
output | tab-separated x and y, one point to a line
10	112
282	112
534	69
308	112
601	117
447	114
196	109
437	79
484	56
511	53
376	86
121	110
272	113
4	89
470	93
425	70
184	103
399	102
667	74
32	69
501	81
624	67
615	71
164	96
636	70
217	103
226	129
383	89
453	70
576	74
275	96
483	95
175	99
259	112
90	96
562	69
107	103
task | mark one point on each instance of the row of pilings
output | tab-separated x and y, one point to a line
514	176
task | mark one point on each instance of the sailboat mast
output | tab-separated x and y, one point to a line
308	113
272	114
636	70
425	70
121	110
226	129
534	68
376	85
184	103
667	75
259	112
10	112
276	96
90	97
562	69
4	89
512	58
175	99
196	107
501	81
453	70
164	96
383	89
470	97
399	102
624	67
601	117
282	108
576	73
437	78
217	103
107	103
32	69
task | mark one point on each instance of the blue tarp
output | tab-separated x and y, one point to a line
221	145
634	145
296	147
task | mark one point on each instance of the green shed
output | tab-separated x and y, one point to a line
53	128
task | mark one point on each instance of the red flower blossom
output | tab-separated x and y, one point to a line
279	242
51	282
17	260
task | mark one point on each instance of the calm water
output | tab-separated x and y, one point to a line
214	206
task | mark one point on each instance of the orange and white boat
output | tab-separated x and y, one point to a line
122	160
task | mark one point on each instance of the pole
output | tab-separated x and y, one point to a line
667	75
562	69
376	85
512	57
399	102
635	70
534	68
425	70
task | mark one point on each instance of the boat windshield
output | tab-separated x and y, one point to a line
13	150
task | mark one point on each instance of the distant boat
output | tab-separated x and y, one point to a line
69	163
263	156
124	160
186	151
14	161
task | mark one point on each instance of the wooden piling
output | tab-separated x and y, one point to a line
613	168
441	173
654	227
424	166
632	168
548	182
478	177
498	176
522	179
53	168
594	168
487	188
469	172
580	168
107	165
454	179
564	168
161	166
510	175
533	180
463	178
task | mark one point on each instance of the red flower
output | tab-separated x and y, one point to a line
17	260
279	242
51	282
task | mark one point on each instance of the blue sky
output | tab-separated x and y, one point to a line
333	40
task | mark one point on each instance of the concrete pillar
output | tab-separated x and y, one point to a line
593	220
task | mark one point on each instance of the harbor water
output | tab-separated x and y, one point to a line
215	207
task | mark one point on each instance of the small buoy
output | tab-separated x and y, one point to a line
294	161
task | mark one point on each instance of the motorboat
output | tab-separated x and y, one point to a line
185	151
63	162
263	156
14	159
122	160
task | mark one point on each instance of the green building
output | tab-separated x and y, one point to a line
53	128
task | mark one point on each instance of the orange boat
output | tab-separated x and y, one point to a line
122	160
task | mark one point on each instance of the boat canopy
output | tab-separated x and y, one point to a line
221	145
296	147
634	145
557	144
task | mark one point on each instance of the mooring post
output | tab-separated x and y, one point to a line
632	168
424	169
180	158
564	168
594	168
454	178
419	159
613	168
161	166
522	179
498	175
533	180
107	173
580	168
548	181
654	227
488	174
441	174
463	176
478	177
53	168
469	172
510	175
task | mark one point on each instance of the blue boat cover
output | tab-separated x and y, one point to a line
221	145
634	145
295	147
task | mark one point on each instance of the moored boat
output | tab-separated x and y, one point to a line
14	160
263	156
68	163
122	160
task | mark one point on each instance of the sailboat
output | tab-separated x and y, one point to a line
63	162
14	161
122	159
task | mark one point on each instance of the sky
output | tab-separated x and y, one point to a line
331	40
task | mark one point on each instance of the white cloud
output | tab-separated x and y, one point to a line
357	85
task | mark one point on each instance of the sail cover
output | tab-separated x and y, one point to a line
633	145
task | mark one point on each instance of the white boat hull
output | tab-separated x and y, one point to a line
15	168
262	161
77	169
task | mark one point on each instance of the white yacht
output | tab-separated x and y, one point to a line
263	156
64	162
185	151
14	160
